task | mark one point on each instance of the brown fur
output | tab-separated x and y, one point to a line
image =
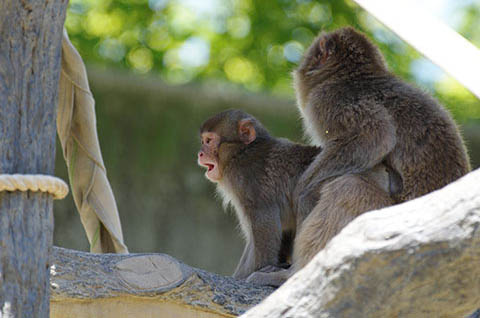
342	200
259	177
361	114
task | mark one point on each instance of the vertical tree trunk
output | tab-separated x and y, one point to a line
30	42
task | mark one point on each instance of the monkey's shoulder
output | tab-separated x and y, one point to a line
367	93
337	95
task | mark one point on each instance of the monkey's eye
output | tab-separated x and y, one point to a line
207	141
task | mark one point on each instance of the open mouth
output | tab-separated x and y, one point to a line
212	173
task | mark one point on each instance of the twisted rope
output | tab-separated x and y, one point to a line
34	182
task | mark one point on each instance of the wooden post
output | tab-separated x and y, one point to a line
31	35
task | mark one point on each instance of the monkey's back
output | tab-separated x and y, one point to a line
429	152
275	166
284	162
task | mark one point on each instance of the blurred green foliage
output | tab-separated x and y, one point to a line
247	43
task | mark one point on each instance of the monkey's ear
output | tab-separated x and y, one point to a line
326	48
246	130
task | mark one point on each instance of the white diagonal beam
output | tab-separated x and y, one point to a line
431	37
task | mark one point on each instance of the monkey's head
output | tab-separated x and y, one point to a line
223	136
336	55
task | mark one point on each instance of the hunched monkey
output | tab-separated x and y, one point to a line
257	174
361	115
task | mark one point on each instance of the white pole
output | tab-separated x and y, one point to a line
431	37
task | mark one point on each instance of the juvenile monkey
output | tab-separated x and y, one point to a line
361	115
257	173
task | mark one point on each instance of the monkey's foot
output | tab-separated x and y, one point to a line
269	276
273	268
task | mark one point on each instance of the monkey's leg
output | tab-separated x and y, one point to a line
342	200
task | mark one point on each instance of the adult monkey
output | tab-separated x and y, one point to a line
257	173
361	114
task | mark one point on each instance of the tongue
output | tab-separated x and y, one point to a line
210	167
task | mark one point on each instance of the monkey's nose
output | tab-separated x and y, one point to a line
200	154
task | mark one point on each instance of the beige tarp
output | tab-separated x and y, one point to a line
76	126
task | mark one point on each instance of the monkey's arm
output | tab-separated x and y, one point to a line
358	138
263	242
